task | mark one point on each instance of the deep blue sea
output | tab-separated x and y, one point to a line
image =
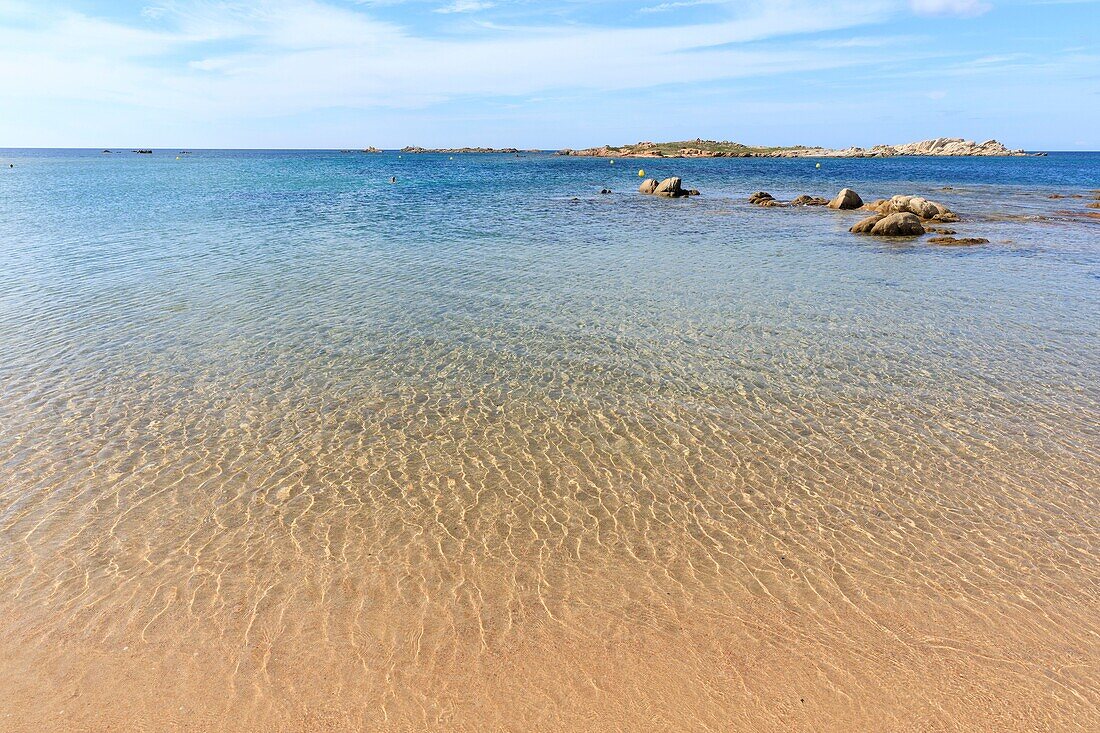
287	446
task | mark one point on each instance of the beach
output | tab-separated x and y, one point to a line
287	446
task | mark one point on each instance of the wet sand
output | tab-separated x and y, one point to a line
549	568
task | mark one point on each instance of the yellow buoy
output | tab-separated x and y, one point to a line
641	174
177	157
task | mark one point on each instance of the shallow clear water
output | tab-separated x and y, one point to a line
286	446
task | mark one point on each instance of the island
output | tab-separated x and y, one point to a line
948	146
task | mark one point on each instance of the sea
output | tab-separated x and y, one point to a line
330	441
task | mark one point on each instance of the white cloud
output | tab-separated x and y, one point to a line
665	7
465	6
295	57
958	8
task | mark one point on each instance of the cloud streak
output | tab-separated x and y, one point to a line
956	8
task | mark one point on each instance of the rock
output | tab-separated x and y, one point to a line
864	226
939	230
605	190
758	197
952	241
1095	205
805	200
670	187
897	225
771	204
916	205
846	199
891	225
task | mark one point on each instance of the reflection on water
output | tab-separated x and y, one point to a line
283	448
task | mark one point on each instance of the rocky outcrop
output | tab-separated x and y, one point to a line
846	199
892	225
758	198
672	188
916	205
954	146
898	225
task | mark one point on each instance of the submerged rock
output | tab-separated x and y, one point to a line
952	241
846	199
805	200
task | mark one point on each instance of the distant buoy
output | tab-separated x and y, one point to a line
818	165
612	162
641	174
177	157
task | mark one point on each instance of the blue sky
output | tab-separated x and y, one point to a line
352	73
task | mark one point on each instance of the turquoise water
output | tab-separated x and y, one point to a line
266	413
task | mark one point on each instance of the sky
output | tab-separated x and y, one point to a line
546	74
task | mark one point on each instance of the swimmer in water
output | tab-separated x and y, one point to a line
393	179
